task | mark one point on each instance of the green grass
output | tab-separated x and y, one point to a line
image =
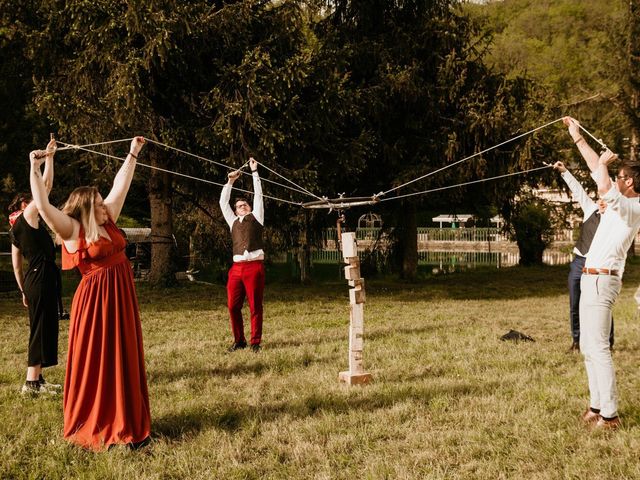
449	399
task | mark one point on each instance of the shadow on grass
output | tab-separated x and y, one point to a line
242	368
382	333
173	375
630	416
233	418
297	342
500	284
343	335
504	284
247	363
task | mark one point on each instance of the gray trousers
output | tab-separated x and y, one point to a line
599	293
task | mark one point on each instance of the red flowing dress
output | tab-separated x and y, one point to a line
105	389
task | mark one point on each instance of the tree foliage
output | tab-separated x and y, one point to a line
423	98
338	96
576	50
532	230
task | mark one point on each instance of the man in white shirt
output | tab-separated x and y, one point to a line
592	212
246	275
602	276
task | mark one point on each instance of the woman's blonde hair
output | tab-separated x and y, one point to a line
79	205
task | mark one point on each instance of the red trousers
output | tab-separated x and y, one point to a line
246	279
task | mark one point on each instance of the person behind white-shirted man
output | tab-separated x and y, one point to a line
592	210
246	275
602	275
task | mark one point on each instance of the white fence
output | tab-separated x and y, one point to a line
429	234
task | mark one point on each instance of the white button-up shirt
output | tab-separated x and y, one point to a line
580	195
231	217
618	227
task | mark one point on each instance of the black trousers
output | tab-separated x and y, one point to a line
41	290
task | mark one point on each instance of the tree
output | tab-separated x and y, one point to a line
93	67
571	49
633	78
223	80
532	230
581	58
421	99
21	128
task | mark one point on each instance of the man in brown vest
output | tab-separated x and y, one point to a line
246	275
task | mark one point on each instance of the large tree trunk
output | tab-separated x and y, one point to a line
409	241
162	272
634	85
304	252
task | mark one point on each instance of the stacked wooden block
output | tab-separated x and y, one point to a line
356	374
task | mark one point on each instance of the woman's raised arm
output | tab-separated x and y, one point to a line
31	212
48	165
60	223
115	200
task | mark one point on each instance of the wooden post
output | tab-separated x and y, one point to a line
356	374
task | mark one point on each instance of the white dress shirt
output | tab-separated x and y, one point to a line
618	227
580	195
257	211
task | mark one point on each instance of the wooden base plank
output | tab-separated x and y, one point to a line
355	378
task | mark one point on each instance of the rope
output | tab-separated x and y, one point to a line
599	140
80	147
244	165
301	189
73	147
175	173
184	152
467	158
189	153
291	182
465	183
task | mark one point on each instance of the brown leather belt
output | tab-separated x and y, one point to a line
599	271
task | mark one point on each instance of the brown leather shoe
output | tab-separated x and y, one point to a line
612	424
590	417
575	347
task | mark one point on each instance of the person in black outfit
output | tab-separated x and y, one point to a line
62	313
17	206
38	285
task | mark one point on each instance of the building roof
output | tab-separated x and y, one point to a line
461	218
137	235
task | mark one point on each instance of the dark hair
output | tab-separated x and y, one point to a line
631	168
18	199
240	198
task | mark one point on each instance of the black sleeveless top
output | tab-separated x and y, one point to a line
587	232
35	244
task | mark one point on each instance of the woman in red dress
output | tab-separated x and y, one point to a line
106	401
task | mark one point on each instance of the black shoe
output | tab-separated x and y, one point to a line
255	348
31	388
237	346
64	315
48	386
139	445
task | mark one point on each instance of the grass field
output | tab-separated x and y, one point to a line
449	399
